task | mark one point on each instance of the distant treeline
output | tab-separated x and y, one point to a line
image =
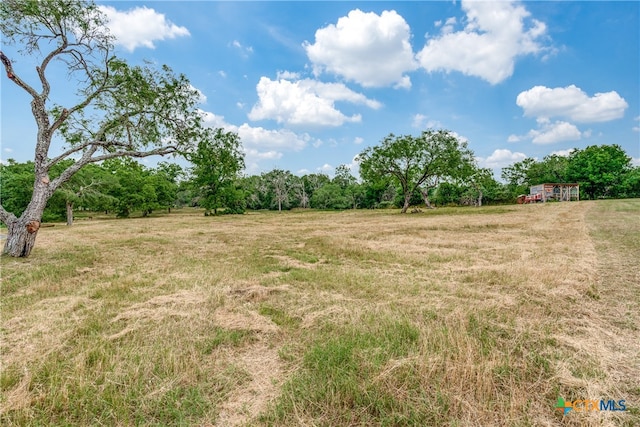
124	186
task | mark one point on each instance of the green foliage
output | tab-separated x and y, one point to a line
417	163
16	185
330	196
217	162
600	170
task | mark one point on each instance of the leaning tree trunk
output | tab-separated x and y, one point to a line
21	236
22	232
425	197
407	200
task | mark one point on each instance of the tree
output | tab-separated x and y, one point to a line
166	177
551	169
330	196
279	183
135	188
481	181
599	170
119	110
417	163
218	160
86	188
343	177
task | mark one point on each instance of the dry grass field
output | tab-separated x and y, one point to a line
451	317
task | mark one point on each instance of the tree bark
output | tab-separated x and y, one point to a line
22	232
69	213
407	200
425	196
21	237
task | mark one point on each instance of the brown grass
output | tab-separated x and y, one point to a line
186	319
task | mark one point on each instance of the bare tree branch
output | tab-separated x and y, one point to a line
14	78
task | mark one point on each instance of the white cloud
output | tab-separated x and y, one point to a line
279	139
571	102
354	167
636	128
501	157
372	50
418	120
326	168
259	143
255	154
305	102
549	133
449	25
140	27
245	51
202	98
7	150
288	75
635	161
358	140
495	35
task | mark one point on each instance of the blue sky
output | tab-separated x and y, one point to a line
308	85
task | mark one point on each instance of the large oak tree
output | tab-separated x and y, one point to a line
417	163
119	110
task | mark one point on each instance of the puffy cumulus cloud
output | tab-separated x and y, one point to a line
550	133
501	158
278	139
495	35
571	102
255	154
372	50
140	27
305	102
260	144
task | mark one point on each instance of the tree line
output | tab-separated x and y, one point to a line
390	177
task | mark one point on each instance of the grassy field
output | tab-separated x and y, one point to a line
451	317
